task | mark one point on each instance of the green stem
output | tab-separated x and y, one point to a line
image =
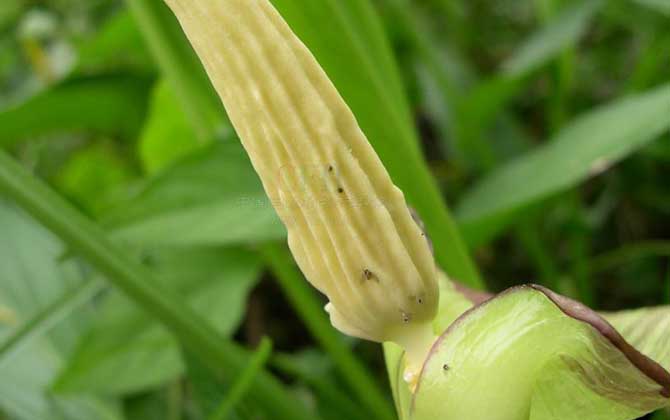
580	245
310	310
544	264
49	317
242	384
180	66
466	140
137	283
650	63
666	289
175	399
328	391
629	253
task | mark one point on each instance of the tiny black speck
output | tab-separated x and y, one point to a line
340	190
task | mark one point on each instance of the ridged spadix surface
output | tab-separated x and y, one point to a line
349	227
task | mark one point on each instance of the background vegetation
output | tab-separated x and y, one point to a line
544	124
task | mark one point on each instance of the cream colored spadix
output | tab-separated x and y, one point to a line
349	227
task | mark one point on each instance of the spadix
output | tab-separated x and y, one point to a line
349	227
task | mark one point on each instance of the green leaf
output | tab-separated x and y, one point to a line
111	105
241	386
47	318
531	354
167	135
42	293
9	10
350	45
662	6
126	351
212	198
180	67
117	46
583	149
84	237
561	32
315	370
91	176
628	253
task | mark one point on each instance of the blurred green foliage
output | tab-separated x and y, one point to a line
543	123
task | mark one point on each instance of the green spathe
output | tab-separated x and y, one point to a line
520	356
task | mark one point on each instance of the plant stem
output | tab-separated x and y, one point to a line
529	238
327	390
242	384
310	310
629	253
180	66
50	316
137	283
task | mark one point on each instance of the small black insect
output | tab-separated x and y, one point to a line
340	190
369	275
330	168
445	367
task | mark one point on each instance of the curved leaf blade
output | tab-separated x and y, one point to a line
561	32
113	105
583	149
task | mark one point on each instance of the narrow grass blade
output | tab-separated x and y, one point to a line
242	384
628	253
559	33
88	240
48	318
180	67
661	6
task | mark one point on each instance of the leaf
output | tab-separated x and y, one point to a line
348	42
531	354
118	45
315	370
211	198
9	10
561	32
91	176
662	6
47	318
180	67
583	149
167	135
87	239
127	352
240	387
112	105
32	280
